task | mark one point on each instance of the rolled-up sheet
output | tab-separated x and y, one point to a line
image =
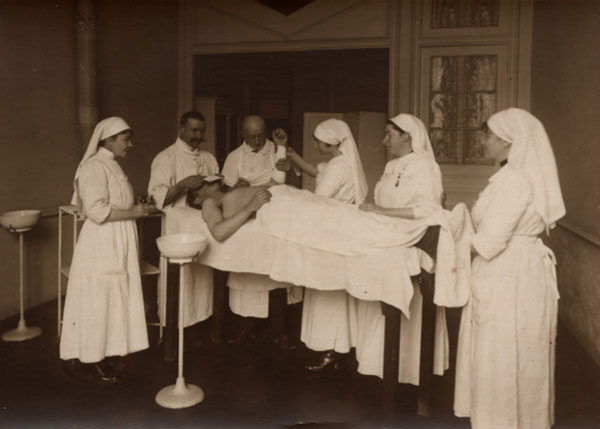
319	243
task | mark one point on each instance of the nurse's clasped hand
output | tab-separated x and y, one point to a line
369	207
143	209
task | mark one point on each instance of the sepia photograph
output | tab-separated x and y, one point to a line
300	214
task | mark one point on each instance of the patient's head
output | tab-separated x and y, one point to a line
195	197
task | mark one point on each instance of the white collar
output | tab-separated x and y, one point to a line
185	148
267	149
105	153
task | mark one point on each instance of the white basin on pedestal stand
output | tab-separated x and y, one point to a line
19	222
180	249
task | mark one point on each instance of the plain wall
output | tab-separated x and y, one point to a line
137	76
38	138
565	82
39	133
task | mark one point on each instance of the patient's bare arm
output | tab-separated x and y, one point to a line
222	228
237	199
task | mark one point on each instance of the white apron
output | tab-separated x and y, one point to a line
505	358
104	308
249	292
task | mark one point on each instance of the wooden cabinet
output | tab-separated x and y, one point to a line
223	126
367	129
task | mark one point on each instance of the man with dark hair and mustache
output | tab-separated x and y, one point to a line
180	167
175	170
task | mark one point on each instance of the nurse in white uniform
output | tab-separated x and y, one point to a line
327	316
104	309
505	358
411	188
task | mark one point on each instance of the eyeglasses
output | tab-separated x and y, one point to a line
255	137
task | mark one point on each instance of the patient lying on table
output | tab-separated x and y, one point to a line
333	245
302	217
225	210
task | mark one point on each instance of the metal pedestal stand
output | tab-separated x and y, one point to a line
180	394
22	332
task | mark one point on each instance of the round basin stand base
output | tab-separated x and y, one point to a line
179	395
22	332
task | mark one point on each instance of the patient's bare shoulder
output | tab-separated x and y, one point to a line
236	199
211	211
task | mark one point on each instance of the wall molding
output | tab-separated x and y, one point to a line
589	237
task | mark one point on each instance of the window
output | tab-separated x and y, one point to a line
461	88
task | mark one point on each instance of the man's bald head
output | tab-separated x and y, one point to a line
254	131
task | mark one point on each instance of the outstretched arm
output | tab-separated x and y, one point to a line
221	229
304	165
406	213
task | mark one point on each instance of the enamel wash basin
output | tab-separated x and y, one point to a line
20	220
181	247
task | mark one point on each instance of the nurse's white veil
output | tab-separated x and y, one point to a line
337	132
421	145
106	128
531	153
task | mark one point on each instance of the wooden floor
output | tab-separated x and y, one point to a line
249	385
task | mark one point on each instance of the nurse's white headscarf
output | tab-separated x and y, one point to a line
531	153
106	128
421	144
337	132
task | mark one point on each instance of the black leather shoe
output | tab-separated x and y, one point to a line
329	361
77	370
103	374
115	365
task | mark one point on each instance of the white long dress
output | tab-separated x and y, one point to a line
171	165
329	317
104	309
249	292
407	182
505	361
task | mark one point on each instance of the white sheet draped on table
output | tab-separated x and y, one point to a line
368	255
